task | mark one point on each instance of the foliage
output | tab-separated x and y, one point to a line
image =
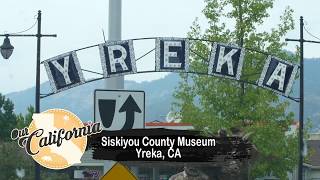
214	103
12	156
8	120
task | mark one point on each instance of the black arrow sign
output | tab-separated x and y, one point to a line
129	106
106	111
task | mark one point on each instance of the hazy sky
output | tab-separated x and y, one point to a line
79	24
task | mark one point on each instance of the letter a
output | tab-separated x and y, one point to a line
279	75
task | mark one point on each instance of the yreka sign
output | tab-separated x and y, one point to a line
171	55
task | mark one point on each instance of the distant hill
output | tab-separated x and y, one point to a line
312	91
159	96
80	99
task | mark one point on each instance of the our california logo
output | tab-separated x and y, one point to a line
56	138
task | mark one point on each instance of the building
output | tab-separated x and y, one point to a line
312	165
96	168
150	171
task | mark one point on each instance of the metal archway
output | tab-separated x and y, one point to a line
295	99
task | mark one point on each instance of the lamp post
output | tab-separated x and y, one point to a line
301	40
6	50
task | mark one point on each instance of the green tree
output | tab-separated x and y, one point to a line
11	155
26	120
8	119
214	103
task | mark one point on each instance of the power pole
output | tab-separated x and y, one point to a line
114	33
37	93
301	104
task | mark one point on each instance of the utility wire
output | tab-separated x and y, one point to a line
145	54
26	29
310	33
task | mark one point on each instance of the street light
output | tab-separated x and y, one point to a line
6	49
301	105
